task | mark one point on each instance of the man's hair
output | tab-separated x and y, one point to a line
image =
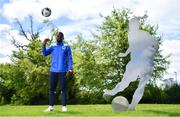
60	33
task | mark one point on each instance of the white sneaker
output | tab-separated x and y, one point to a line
49	109
64	109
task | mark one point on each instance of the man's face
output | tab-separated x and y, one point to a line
59	37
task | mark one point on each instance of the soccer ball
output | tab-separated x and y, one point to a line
46	12
120	103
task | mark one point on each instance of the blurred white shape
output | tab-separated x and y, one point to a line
142	49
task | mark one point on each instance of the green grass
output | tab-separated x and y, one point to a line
91	110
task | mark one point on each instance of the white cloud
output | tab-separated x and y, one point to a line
73	9
79	9
21	9
6	46
4	41
161	12
85	27
5	60
172	47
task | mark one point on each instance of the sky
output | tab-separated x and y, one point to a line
82	16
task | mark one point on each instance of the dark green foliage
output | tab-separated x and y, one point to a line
153	94
172	94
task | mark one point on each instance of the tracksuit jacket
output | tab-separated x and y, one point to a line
61	57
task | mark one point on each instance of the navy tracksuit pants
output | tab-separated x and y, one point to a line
56	77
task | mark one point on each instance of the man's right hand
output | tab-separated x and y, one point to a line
45	41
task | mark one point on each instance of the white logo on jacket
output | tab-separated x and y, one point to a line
63	47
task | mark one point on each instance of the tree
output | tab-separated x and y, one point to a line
172	94
113	40
34	68
97	63
86	71
32	84
6	83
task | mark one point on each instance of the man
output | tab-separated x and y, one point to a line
61	68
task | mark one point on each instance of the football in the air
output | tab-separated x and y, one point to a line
46	12
120	103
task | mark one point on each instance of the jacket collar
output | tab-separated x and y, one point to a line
60	43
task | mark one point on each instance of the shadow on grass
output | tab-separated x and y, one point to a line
164	112
68	113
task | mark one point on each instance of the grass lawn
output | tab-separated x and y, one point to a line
91	110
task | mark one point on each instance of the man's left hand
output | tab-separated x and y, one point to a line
69	74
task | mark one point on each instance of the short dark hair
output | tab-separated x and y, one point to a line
60	33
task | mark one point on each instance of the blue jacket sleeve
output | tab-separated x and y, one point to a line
47	51
70	61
